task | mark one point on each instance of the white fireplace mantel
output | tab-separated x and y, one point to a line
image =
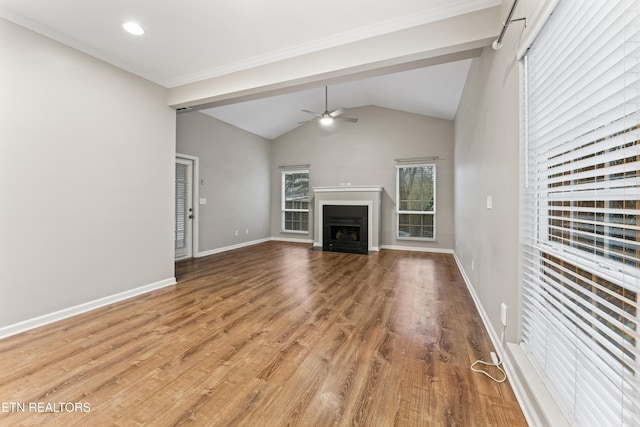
368	195
348	188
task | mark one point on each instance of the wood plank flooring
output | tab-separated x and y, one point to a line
270	335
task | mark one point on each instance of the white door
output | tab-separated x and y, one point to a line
184	208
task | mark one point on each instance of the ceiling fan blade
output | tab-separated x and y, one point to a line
338	112
347	119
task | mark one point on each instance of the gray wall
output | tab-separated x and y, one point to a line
234	165
86	179
363	154
487	163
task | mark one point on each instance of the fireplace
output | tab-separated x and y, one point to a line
361	219
345	228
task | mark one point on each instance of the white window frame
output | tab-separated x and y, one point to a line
405	212
284	209
195	226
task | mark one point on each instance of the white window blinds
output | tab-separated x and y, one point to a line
581	212
181	205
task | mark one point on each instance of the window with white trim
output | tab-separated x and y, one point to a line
295	201
181	204
581	213
416	201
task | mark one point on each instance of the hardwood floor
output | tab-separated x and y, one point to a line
270	335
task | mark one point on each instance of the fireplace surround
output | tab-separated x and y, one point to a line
367	231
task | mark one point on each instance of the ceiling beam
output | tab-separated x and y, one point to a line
448	40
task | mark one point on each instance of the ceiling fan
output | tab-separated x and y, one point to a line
328	117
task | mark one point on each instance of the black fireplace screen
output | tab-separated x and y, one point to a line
345	228
350	233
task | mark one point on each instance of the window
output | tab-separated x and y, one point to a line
581	213
181	204
295	201
416	202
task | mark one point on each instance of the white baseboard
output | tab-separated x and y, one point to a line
375	248
291	239
232	247
25	325
417	249
318	246
251	243
529	407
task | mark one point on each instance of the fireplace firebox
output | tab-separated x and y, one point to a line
345	228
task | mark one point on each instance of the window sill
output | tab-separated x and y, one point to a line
294	231
417	239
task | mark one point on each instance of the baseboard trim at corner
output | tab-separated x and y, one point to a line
46	319
232	247
251	243
527	406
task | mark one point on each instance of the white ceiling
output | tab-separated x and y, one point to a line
192	40
439	88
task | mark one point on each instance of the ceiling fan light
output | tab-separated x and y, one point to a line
326	120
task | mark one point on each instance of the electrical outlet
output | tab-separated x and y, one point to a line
494	358
236	232
503	314
246	231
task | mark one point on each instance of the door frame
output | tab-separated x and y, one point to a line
195	202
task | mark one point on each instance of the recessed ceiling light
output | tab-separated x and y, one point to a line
133	28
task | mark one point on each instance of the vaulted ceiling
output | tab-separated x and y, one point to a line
189	41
